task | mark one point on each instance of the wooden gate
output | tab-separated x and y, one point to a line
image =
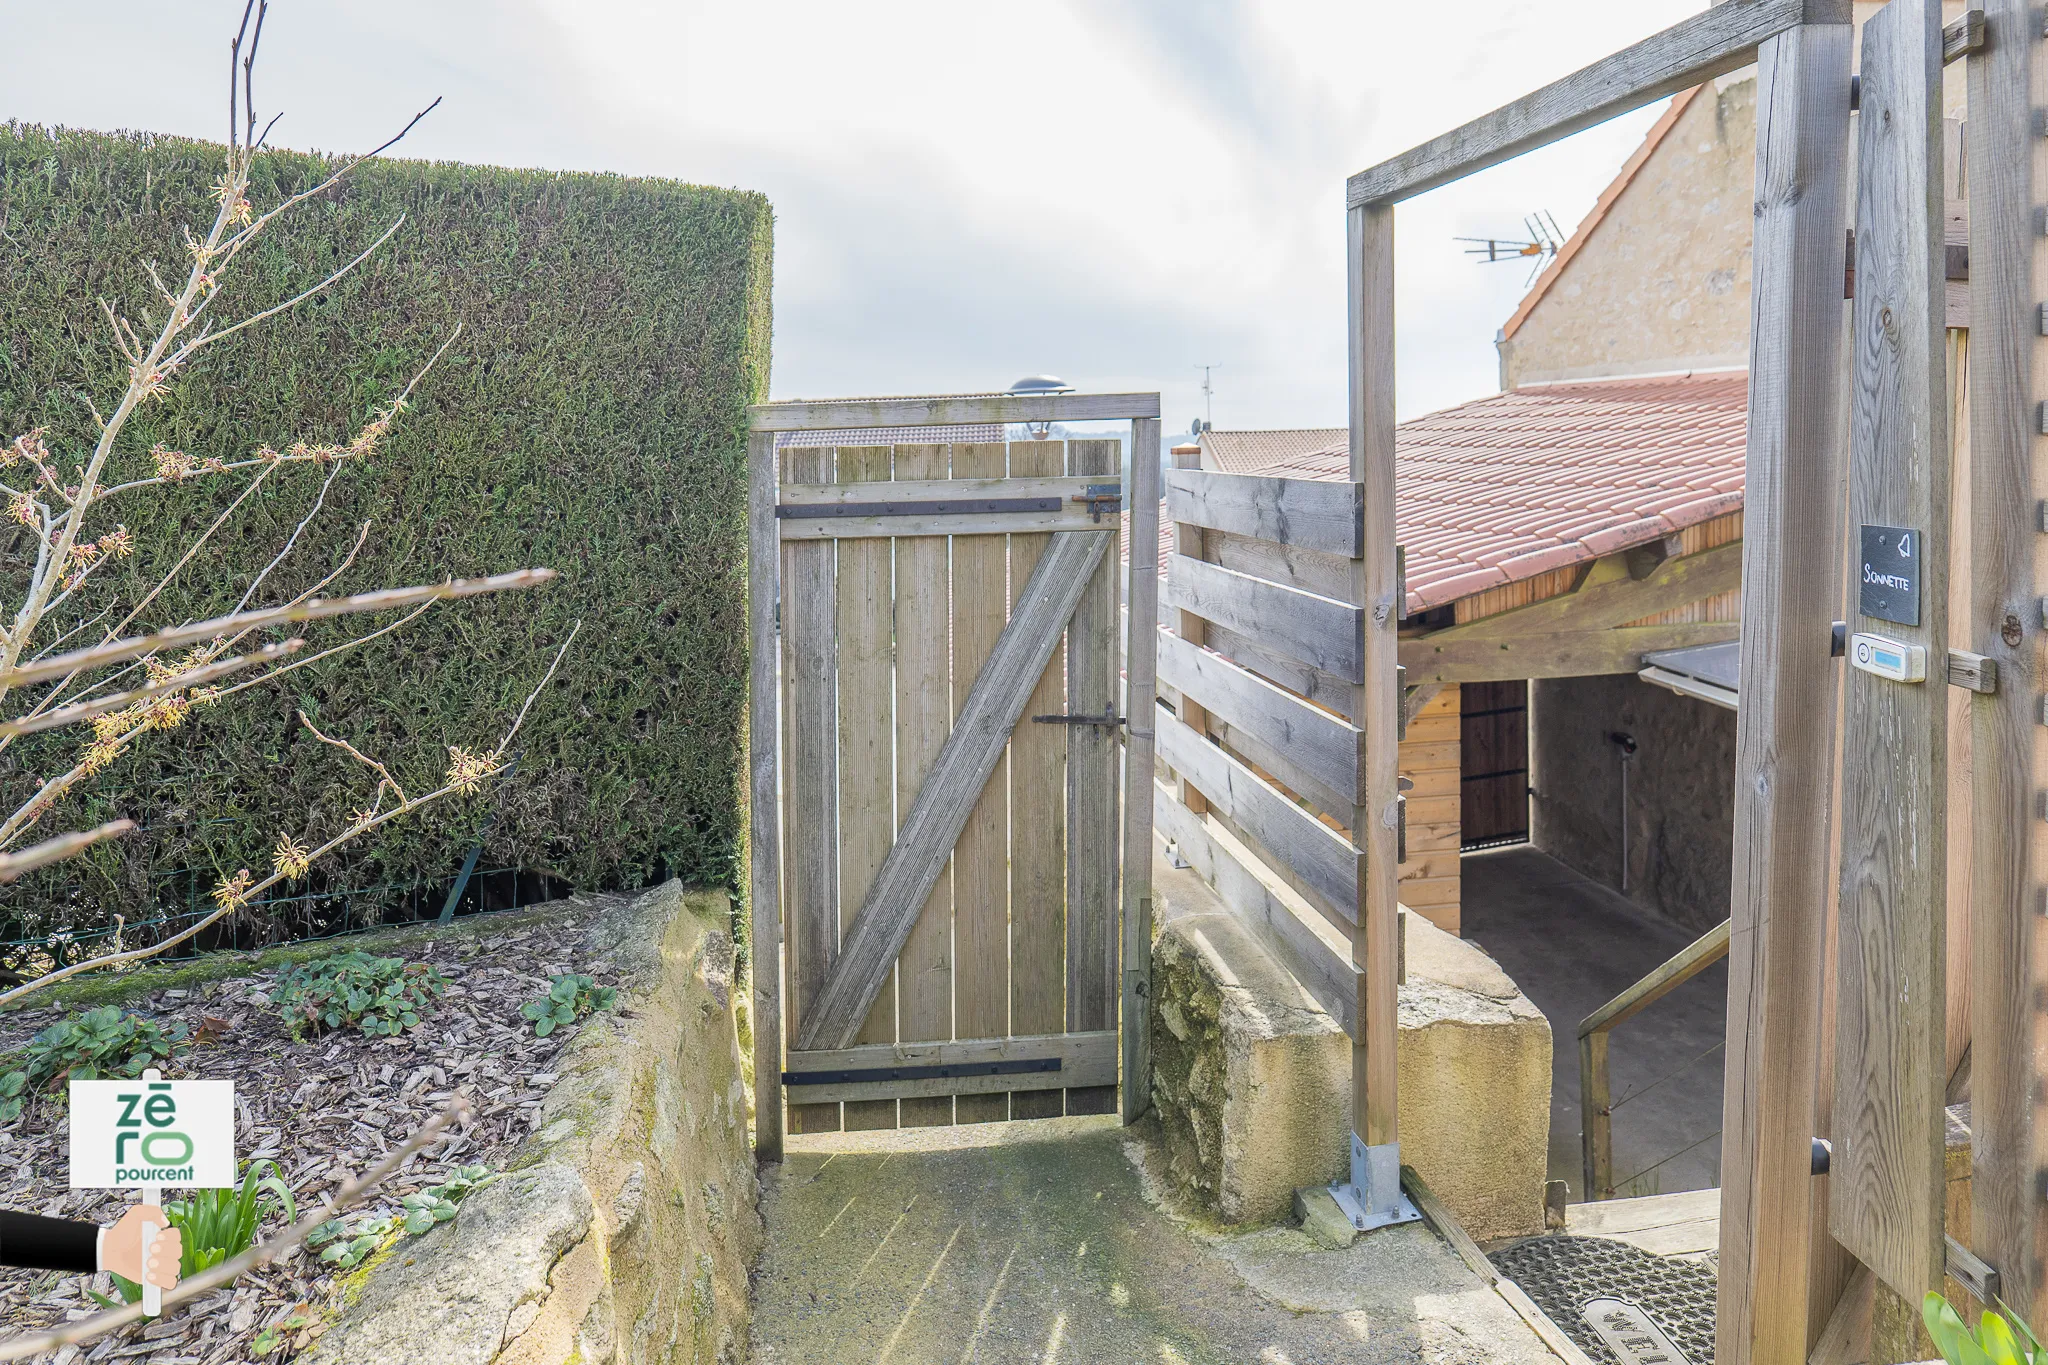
943	763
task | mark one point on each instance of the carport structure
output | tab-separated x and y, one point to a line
1861	1058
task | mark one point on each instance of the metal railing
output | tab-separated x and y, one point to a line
1596	1105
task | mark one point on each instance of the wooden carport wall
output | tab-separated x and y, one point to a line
1772	1298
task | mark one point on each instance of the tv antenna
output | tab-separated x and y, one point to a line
1208	394
1544	241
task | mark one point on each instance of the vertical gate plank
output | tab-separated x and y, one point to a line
1140	683
924	716
764	811
1377	703
1791	583
1038	863
1885	1200
810	768
1091	797
867	824
2008	174
981	855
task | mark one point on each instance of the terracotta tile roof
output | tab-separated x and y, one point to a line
1508	487
1242	452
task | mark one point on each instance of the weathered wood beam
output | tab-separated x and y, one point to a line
1318	514
869	946
1316	630
1567	654
1785	727
1317	861
1376	593
1140	688
1610	595
1086	1058
1885	1188
764	811
1321	744
1719	40
2009	563
852	414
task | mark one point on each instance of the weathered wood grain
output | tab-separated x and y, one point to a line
1092	754
981	855
924	716
1189	540
1318	743
1612	596
764	804
2008	84
810	759
943	803
1719	40
1785	730
852	414
1038	825
1086	1059
1375	943
1313	513
867	797
1319	862
1291	566
1885	1186
1140	637
1324	689
965	524
1314	630
937	489
1555	654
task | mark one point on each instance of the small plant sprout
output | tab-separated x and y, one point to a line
219	1224
570	997
1998	1340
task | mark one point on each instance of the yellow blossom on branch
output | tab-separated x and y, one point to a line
233	893
466	771
290	859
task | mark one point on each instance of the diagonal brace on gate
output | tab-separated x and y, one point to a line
951	788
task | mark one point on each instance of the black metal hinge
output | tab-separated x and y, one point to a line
1109	719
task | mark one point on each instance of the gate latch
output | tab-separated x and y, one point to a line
1100	498
1109	719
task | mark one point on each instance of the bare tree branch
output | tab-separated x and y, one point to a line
317	609
55	850
79	712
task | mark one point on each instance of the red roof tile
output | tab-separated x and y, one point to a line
1505	488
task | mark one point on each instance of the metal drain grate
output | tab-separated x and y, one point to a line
1562	1273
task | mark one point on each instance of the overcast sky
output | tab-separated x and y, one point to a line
1114	191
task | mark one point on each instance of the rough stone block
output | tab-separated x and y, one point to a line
1252	1078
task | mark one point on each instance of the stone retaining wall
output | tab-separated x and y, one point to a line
625	1231
1252	1078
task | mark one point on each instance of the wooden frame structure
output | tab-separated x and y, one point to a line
1821	1041
1108	973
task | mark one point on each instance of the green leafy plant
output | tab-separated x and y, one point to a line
569	998
218	1224
1998	1340
91	1045
382	996
345	1242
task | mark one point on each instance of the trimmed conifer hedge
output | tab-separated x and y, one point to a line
591	418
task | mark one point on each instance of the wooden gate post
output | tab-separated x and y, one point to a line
2008	172
764	845
1885	1195
1141	642
1373	1198
1785	730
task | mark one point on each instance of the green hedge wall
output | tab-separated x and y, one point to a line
591	419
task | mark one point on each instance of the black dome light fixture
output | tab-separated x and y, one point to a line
1040	384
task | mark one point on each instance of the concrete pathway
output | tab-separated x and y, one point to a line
1572	945
1038	1242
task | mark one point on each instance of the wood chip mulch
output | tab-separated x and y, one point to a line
321	1109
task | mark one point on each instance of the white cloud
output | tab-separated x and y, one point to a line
1111	190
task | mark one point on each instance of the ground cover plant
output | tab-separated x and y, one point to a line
381	996
1997	1339
88	1045
569	998
322	1108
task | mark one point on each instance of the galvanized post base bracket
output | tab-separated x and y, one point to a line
1372	1198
